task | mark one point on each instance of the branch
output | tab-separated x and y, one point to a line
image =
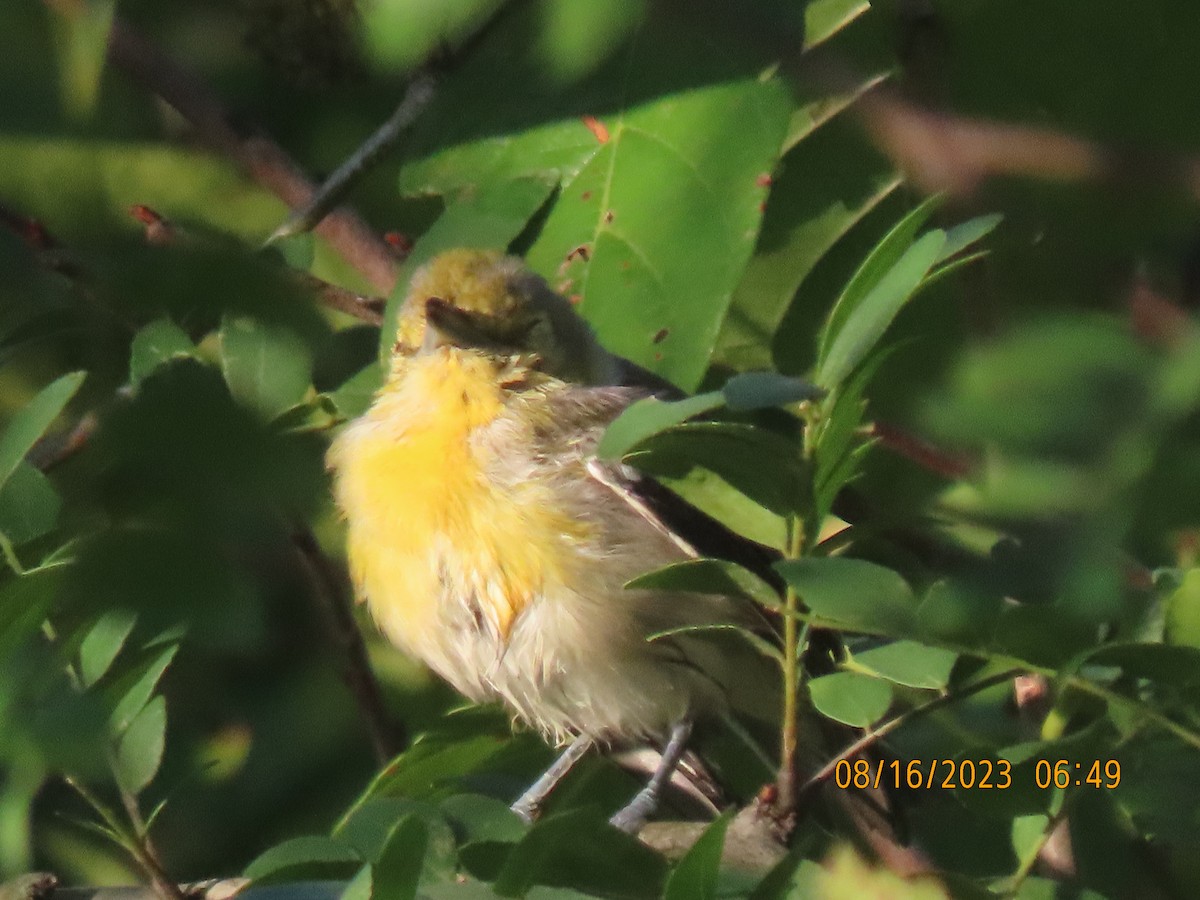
386	735
361	306
263	160
941	151
416	98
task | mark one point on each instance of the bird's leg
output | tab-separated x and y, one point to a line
632	817
529	804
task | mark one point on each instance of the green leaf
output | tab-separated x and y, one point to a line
267	366
881	260
480	818
298	251
357	391
1179	665
695	876
958	613
31	422
544	153
399	35
825	18
140	748
909	663
360	886
840	448
762	390
581	850
866	321
851	698
156	344
746	478
426	768
708	576
649	416
25	601
398	871
102	643
307	855
29	505
853	593
133	691
1183	611
823	187
1027	833
963	235
488	218
82	48
697	156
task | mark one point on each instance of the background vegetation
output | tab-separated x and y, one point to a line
722	189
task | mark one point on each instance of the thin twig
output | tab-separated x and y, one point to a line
361	306
264	160
335	187
386	735
136	846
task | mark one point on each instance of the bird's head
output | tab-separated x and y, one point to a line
485	304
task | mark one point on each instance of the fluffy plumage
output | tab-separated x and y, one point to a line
488	540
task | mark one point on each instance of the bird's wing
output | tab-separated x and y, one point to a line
589	411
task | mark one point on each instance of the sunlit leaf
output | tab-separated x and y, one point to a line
853	593
909	663
102	644
851	698
140	747
865	321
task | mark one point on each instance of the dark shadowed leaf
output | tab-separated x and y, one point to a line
302	857
580	849
155	344
708	576
29	505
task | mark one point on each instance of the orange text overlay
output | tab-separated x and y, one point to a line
973	774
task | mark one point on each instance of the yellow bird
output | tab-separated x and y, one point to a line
490	542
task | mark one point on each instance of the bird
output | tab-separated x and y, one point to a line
489	540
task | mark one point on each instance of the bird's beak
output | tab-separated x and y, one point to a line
448	326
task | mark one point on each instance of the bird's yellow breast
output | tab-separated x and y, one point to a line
433	540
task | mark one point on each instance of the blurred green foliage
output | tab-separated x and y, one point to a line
687	174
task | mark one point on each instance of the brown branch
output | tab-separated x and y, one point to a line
263	160
942	151
360	306
386	735
926	455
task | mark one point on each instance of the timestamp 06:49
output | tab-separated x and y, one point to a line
971	774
